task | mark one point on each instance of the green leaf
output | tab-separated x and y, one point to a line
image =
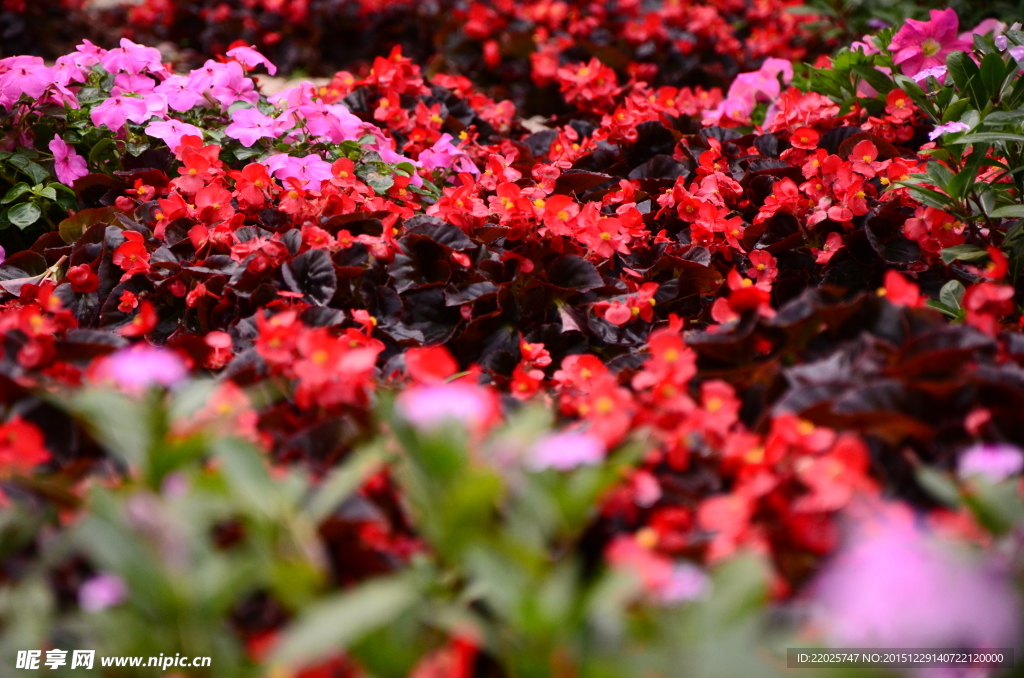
993	68
987	137
246	474
963	253
342	619
951	294
15	192
44	192
940	486
880	81
24	215
97	151
939	306
940	175
966	76
955	110
342	482
37	172
962	183
1008	211
119	423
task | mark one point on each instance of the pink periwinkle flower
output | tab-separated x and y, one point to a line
312	170
994	462
138	367
172	131
132	58
431	407
179	92
102	591
991	25
925	44
87	54
230	85
565	451
248	125
67	164
251	58
937	72
3	255
68	69
132	82
948	128
895	586
24	75
202	78
687	582
446	155
117	109
333	122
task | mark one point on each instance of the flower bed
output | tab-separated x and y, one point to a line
379	378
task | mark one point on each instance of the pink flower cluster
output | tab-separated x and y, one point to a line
146	93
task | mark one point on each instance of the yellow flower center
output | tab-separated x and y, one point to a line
930	47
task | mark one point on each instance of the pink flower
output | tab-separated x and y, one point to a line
116	110
87	54
102	591
251	58
312	170
24	75
231	85
925	44
171	132
68	70
431	407
136	368
994	26
895	586
994	462
446	155
565	451
948	128
937	72
248	125
128	82
181	95
666	581
67	164
333	122
202	78
132	58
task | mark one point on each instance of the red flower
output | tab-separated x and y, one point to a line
83	280
900	291
986	303
22	447
899	105
805	138
128	302
132	255
143	323
430	365
213	204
